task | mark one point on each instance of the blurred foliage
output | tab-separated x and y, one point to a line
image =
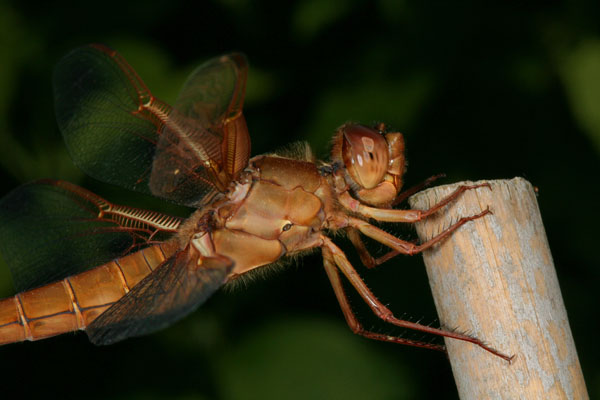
581	74
481	91
347	368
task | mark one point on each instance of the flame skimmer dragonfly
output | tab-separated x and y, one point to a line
118	272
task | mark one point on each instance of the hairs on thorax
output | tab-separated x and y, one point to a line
264	271
300	150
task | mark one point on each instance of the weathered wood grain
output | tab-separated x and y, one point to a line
495	279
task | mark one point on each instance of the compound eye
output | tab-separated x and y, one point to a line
365	154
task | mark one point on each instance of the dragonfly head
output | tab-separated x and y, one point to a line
373	159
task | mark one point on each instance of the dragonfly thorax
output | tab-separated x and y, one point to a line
278	206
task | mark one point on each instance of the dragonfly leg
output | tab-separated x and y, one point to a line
365	257
414	189
403	246
356	327
392	215
334	257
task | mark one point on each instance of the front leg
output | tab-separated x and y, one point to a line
409	192
392	215
399	245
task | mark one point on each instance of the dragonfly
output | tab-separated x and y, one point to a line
80	262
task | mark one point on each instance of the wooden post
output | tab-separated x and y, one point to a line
494	278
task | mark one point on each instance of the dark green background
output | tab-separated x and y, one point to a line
480	91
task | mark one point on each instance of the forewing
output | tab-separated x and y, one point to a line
172	291
52	229
205	143
109	119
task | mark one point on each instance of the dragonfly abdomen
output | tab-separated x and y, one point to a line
74	302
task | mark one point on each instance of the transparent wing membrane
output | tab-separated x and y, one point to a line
169	293
52	229
103	111
118	132
205	143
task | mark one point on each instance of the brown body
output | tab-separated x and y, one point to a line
250	212
74	302
278	207
249	229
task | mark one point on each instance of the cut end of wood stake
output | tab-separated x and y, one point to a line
495	279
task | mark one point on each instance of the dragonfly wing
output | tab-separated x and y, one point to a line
52	229
108	117
205	142
169	293
119	133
